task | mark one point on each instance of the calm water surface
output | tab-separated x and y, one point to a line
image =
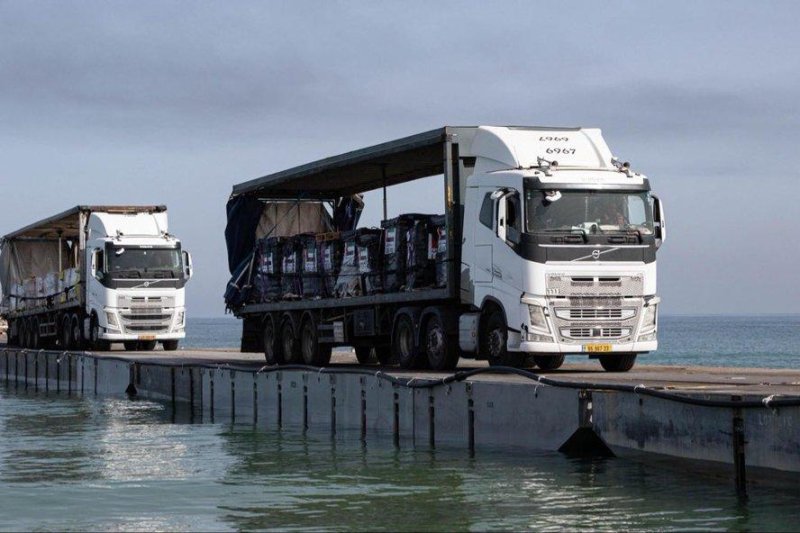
112	464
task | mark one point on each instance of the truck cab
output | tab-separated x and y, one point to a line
136	274
559	250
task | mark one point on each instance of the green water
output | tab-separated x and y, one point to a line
113	464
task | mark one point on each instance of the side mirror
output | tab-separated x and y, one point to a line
660	221
501	218
187	265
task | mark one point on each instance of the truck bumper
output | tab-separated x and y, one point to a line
554	347
123	337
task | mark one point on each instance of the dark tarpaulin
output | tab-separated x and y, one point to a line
244	213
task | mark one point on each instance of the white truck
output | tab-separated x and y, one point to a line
551	250
95	275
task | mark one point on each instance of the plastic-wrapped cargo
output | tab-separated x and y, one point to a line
267	270
331	251
292	274
311	268
437	251
397	232
370	259
348	282
419	267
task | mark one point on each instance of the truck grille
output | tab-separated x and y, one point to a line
146	314
581	313
595	333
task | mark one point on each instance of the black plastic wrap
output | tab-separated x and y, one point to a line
420	271
267	270
438	249
348	282
370	259
291	275
331	262
311	268
397	232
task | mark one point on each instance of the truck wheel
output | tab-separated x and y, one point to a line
76	335
272	348
147	346
383	353
291	348
66	331
131	346
170	345
441	351
101	345
23	333
35	339
313	353
366	355
494	340
618	362
404	350
549	362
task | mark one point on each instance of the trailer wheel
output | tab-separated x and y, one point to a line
76	336
23	333
66	331
272	349
312	351
494	340
404	349
35	338
441	350
95	341
618	362
549	362
291	348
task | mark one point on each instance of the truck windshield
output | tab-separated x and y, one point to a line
589	211
128	262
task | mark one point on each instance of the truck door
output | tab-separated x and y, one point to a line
506	264
484	237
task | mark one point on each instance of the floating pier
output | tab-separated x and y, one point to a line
741	419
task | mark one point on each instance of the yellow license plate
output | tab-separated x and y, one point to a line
147	337
596	348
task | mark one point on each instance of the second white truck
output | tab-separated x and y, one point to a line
95	275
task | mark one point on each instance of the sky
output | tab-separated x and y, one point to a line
175	102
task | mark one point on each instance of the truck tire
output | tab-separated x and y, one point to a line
96	343
366	355
618	362
23	333
66	330
272	348
440	349
289	345
131	346
313	352
147	346
36	340
170	345
494	340
549	362
76	332
404	349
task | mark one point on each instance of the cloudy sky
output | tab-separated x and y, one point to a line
160	102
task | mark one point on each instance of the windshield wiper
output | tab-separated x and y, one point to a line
126	273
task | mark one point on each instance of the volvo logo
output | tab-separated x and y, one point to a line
147	283
595	254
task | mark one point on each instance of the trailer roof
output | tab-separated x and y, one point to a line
361	170
66	223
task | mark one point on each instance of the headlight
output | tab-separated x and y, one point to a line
181	317
111	318
650	313
538	319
